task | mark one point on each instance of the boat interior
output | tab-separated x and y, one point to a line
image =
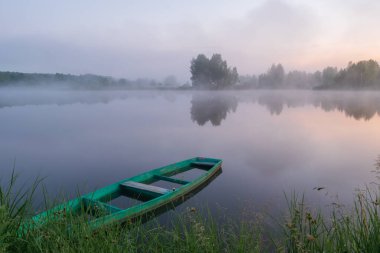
146	187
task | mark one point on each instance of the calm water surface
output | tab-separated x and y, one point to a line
271	142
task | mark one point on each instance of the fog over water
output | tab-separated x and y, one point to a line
270	141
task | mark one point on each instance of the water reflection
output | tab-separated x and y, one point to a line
357	105
212	107
19	98
97	137
216	107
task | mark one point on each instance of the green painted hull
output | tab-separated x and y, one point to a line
138	187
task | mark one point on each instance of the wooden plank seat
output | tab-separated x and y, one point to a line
169	179
144	187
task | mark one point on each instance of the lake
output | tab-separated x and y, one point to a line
271	142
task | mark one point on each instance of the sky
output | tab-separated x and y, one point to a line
154	39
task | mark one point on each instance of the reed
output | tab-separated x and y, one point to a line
355	229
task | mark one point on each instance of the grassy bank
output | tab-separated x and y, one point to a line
343	229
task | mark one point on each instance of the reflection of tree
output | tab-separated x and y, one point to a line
358	106
276	102
215	107
211	107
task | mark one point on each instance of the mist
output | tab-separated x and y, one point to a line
285	93
62	133
150	40
206	107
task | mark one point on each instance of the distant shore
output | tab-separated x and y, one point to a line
363	75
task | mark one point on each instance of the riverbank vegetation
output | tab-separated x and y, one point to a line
363	75
87	81
214	74
301	229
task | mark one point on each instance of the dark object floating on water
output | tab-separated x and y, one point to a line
141	188
319	188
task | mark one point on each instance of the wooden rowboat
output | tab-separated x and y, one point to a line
142	188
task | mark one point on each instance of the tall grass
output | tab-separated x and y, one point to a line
189	232
342	230
15	205
355	229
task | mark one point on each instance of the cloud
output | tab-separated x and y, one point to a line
148	43
272	32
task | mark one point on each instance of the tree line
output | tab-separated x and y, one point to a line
214	73
87	81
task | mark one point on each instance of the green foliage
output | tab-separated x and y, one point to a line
87	81
357	230
361	74
14	207
303	229
189	232
69	232
274	78
212	73
329	75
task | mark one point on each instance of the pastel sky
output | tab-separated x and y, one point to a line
156	38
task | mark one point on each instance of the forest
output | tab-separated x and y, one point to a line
87	81
214	74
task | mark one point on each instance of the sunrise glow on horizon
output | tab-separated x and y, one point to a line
155	39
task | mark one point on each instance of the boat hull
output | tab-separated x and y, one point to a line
154	199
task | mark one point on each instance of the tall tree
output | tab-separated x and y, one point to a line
212	73
329	75
361	74
274	78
